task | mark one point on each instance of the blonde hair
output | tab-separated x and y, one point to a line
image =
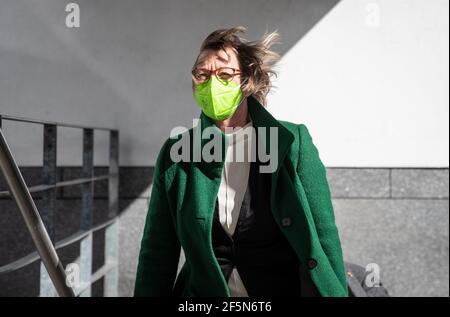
255	58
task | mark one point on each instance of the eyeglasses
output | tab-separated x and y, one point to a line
201	75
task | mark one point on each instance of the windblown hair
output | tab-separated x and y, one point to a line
255	58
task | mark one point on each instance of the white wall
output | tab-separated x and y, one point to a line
373	91
382	92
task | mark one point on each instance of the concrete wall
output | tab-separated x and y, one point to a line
127	66
369	77
371	81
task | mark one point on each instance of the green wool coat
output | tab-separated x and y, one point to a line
182	202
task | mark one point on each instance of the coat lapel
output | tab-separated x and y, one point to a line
263	119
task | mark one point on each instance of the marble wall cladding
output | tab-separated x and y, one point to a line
395	217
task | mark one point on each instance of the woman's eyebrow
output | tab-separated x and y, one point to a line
201	64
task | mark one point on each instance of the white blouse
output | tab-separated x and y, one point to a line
232	189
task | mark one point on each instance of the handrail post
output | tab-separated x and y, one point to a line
87	191
49	199
49	178
113	183
33	221
112	231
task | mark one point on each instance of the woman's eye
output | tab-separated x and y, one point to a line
201	76
225	75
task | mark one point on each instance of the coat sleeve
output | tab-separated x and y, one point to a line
160	247
312	174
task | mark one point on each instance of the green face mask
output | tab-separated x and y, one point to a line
217	99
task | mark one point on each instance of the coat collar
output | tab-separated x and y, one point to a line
261	119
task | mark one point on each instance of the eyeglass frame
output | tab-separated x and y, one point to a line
215	71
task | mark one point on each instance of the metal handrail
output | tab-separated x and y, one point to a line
72	182
41	226
30	214
60	124
33	256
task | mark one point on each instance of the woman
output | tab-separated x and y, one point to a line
262	225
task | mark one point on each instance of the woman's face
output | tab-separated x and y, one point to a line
212	60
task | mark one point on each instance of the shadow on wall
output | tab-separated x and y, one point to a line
126	65
120	67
